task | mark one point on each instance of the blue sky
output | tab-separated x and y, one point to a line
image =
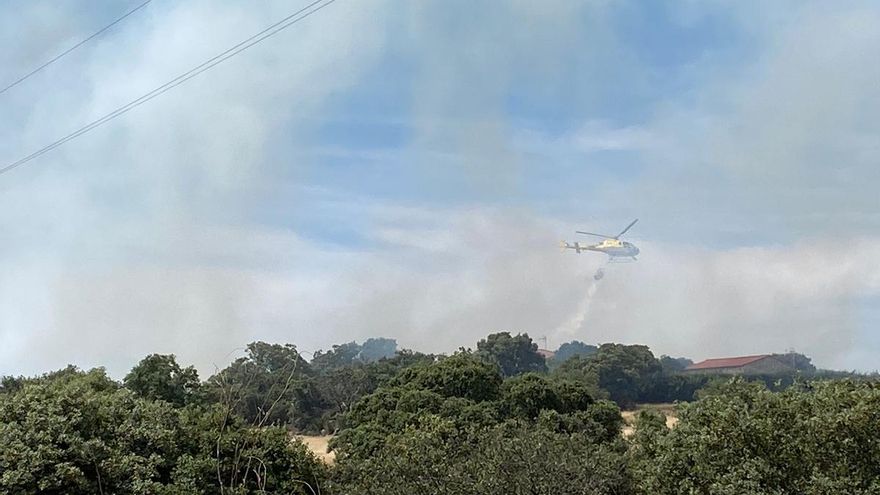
407	168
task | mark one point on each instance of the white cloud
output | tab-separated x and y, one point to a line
591	137
784	149
598	136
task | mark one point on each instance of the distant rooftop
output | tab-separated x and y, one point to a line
731	362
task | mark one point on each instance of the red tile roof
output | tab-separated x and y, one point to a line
734	362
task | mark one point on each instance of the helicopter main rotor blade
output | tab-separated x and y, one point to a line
597	235
627	228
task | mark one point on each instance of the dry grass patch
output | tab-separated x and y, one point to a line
318	445
629	417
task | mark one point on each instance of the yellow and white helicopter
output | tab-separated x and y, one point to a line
618	251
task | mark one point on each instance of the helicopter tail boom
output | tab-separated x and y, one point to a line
578	247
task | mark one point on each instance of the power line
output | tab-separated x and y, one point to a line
177	81
74	47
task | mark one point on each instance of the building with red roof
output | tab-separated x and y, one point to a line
761	364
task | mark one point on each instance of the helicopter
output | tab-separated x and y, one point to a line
618	251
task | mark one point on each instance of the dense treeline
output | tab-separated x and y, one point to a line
819	438
76	432
499	419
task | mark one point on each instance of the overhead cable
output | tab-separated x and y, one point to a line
74	47
204	66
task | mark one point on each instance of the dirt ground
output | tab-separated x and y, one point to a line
629	417
318	445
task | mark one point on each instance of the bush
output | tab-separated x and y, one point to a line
513	457
81	433
513	354
812	439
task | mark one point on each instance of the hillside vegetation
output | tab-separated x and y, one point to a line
498	419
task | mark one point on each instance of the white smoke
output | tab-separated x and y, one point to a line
569	330
151	235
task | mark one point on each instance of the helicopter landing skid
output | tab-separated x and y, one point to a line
621	260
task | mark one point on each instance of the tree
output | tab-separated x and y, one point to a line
468	393
813	439
571	349
460	375
341	388
513	354
525	396
272	384
513	458
159	377
427	433
339	356
10	384
79	432
273	358
672	387
351	353
626	372
674	365
797	361
377	348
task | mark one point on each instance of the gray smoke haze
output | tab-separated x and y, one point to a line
130	240
757	191
438	289
786	148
